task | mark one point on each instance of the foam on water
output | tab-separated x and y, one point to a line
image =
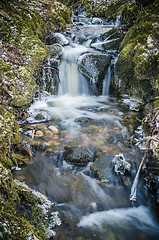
68	107
123	218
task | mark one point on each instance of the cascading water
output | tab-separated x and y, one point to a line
92	199
106	82
72	81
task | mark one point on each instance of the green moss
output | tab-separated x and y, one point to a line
125	64
61	15
9	135
129	78
17	222
146	64
22	27
138	60
129	14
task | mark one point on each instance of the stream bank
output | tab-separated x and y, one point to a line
23	27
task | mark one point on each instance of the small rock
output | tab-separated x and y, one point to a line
150	42
49	134
39	134
19	158
53	128
57	38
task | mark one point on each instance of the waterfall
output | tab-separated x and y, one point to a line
106	82
69	79
72	82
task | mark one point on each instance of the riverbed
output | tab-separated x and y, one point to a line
92	198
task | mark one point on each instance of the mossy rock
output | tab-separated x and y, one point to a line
9	136
128	79
79	156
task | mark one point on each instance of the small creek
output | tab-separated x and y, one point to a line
92	199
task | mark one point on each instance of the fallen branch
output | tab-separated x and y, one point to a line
133	196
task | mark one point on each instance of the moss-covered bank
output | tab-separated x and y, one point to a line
138	61
23	27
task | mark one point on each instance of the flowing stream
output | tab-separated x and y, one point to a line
93	200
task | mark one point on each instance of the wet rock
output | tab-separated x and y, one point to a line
94	66
79	155
56	50
20	158
83	119
48	134
53	129
112	44
24	147
120	165
40	116
108	35
134	103
39	134
57	38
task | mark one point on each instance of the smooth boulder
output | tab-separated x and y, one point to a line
94	66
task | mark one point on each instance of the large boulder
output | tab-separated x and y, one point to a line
134	72
94	66
79	156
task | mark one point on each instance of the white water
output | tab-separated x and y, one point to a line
106	82
122	219
74	100
72	82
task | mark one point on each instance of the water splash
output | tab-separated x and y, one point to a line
118	21
123	219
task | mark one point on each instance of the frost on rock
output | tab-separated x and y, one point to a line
120	165
52	218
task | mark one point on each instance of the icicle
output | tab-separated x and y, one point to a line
133	196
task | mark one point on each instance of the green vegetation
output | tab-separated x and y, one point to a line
20	214
139	49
